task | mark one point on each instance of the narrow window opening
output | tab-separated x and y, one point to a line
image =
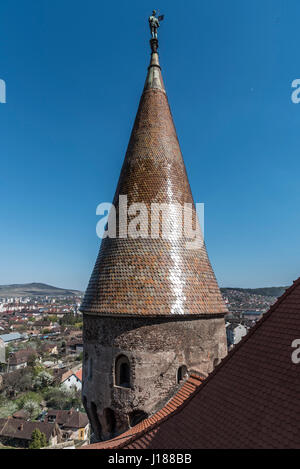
136	417
182	374
122	372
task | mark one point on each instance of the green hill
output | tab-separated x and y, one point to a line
34	289
268	291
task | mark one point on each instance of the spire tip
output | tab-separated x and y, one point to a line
154	45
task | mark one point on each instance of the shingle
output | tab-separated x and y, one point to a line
147	276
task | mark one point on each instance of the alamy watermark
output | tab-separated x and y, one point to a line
296	353
172	221
2	91
295	97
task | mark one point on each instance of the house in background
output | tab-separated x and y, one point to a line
18	433
73	424
50	349
73	380
235	333
20	359
21	414
74	345
7	338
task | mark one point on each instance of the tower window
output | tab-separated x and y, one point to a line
122	372
182	373
136	417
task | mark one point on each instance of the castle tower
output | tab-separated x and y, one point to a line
153	310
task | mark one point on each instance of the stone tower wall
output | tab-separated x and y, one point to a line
156	348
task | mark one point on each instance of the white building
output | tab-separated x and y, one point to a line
73	380
235	333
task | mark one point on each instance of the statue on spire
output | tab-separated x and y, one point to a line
154	24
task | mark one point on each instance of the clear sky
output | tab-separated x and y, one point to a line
75	71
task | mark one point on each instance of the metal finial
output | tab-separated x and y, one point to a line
154	45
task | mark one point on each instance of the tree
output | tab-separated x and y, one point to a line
32	408
7	409
17	381
38	440
42	380
44	440
59	398
69	319
31	360
56	398
29	396
75	399
52	318
8	351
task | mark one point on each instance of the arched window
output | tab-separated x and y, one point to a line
182	373
110	420
136	417
122	372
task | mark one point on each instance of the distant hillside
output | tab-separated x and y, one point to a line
251	299
268	291
35	289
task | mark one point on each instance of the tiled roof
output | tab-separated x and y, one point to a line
21	356
22	429
11	337
147	276
21	414
186	391
251	400
59	373
78	374
68	418
74	341
66	376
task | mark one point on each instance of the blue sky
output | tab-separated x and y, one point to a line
75	71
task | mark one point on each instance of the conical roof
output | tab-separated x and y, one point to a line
153	276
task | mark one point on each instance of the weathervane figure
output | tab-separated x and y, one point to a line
154	24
